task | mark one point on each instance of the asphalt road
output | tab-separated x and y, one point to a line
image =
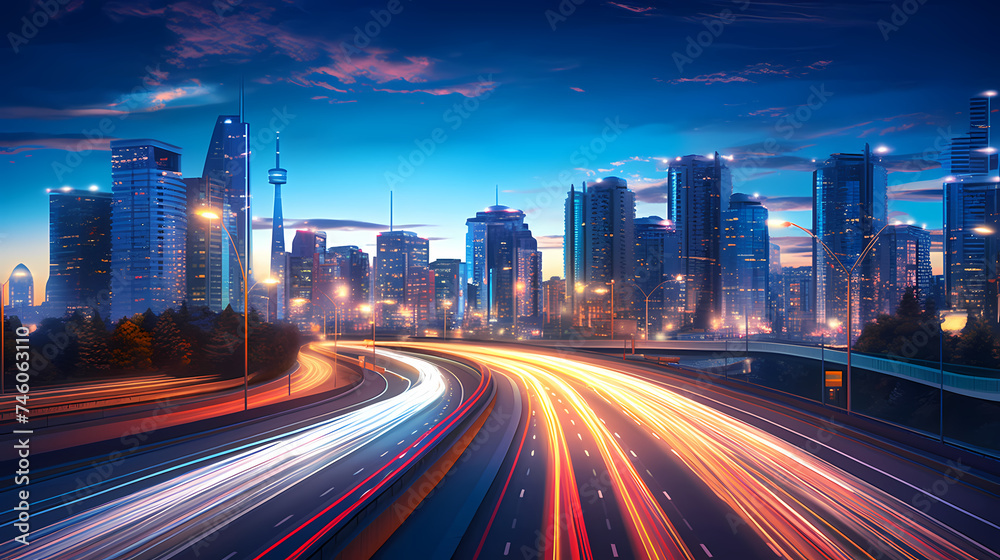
264	485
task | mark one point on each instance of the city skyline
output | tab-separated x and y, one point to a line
719	101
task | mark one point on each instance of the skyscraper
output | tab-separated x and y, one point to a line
971	216
651	272
208	247
354	265
698	191
800	301
906	263
79	250
20	291
449	286
849	208
278	176
574	242
555	308
148	227
776	291
746	249
397	252
504	270
228	162
974	153
609	231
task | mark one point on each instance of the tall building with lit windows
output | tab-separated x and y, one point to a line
972	216
208	247
79	251
746	248
504	267
850	201
906	263
574	242
397	253
20	291
228	162
698	191
651	273
148	227
449	291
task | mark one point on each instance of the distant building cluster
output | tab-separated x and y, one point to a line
708	267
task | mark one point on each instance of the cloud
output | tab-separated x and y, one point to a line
574	88
188	94
630	159
909	163
753	73
16	142
653	193
788	203
550	241
795	251
930	190
633	9
333	224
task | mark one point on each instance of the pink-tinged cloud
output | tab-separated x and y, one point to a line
550	241
48	113
752	73
788	203
574	88
629	160
769	112
795	251
468	90
930	190
633	9
17	142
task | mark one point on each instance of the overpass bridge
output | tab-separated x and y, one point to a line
980	387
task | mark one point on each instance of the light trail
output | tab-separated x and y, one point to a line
798	504
164	519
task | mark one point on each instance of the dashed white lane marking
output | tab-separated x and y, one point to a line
618	436
614	550
359	470
231	554
527	472
594	471
572	422
587	452
600	494
383	454
514	524
327	492
608	521
665	494
579	436
649	473
401	442
532	452
413	432
283	520
705	548
533	436
633	453
506	549
522	493
688	524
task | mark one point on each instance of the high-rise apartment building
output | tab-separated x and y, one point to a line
746	248
698	191
849	208
79	251
148	227
906	263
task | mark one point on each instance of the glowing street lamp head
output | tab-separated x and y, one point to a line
209	215
779	223
365	308
269	281
882	150
984	230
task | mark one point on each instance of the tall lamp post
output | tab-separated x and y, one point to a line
246	306
850	276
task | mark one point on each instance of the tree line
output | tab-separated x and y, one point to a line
182	342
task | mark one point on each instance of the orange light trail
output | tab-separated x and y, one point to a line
799	505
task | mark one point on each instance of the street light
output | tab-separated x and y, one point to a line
246	310
850	276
